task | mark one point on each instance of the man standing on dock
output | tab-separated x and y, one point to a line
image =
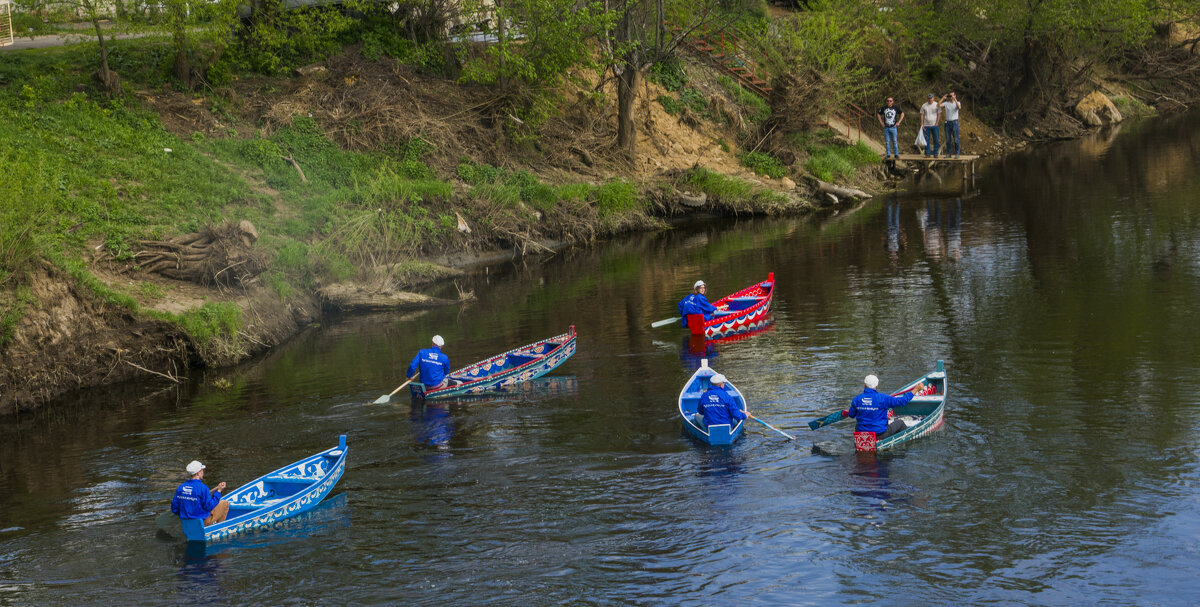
890	118
951	108
929	122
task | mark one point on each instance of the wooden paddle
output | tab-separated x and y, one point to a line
666	321
386	397
789	436
836	416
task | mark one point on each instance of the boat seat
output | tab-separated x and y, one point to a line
741	303
692	395
520	359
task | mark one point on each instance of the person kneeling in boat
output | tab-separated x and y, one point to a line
696	303
870	409
193	499
716	406
433	365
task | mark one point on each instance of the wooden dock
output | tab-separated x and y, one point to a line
929	162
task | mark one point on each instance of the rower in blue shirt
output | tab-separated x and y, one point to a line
193	499
696	303
716	406
871	409
432	364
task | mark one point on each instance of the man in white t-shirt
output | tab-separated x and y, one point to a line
930	111
951	107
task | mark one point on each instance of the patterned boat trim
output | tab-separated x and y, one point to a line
269	516
548	358
752	318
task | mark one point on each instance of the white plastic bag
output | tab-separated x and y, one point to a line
921	138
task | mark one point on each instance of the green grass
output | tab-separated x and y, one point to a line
617	196
764	164
755	108
211	321
833	161
12	313
733	192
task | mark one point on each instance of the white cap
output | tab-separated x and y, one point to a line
438	341
195	467
717	379
699	283
871	381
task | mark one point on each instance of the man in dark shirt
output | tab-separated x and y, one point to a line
890	118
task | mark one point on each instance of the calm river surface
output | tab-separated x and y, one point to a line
1061	293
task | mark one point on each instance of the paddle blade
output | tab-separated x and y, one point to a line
382	399
836	416
666	321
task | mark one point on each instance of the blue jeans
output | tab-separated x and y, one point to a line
890	145
931	141
953	145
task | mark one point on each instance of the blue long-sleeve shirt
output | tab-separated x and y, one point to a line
695	303
870	409
719	407
434	366
194	500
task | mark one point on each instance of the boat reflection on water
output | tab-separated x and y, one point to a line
431	423
201	564
696	348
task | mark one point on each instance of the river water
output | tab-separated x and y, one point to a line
1059	290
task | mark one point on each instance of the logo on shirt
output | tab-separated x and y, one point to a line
187	490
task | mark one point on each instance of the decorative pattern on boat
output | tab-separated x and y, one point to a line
291	506
560	348
305	471
752	318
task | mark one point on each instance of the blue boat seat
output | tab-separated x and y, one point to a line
692	395
519	359
741	303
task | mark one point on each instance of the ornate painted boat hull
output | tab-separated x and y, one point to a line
689	397
926	413
271	498
749	310
503	370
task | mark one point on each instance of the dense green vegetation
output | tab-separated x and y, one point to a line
89	169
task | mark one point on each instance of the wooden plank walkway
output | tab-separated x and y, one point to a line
928	162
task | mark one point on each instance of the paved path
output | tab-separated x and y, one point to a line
65	39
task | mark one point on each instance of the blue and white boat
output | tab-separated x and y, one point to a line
504	370
689	399
267	500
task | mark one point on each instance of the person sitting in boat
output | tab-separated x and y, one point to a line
193	499
716	406
433	365
870	409
696	303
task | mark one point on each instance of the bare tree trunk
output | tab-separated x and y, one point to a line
182	70
108	79
627	80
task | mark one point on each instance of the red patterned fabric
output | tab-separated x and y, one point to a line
864	441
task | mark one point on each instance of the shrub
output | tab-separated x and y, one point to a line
764	164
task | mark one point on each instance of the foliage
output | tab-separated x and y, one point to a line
764	164
211	321
616	196
731	191
542	40
828	39
669	73
755	107
831	162
279	38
